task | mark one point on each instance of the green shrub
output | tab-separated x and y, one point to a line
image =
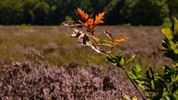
135	12
165	85
173	6
11	12
147	12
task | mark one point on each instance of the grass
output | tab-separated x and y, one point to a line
55	44
51	46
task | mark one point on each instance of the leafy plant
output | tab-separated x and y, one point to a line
170	42
88	37
156	86
161	86
103	46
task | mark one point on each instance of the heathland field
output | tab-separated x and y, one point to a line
54	45
46	58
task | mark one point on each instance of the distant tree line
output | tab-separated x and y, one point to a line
52	12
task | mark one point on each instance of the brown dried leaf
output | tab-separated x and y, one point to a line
71	24
108	34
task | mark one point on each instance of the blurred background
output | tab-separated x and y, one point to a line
53	12
32	28
39	59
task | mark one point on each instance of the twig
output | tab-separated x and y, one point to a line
134	84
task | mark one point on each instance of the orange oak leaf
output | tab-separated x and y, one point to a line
99	18
83	16
89	24
88	21
112	43
120	39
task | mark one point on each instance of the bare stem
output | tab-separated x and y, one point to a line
134	84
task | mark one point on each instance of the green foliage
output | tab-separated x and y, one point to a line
120	60
161	86
166	22
117	60
135	12
136	75
95	6
173	6
11	11
170	42
157	86
113	9
35	11
40	11
146	12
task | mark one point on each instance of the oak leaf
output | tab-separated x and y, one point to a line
120	39
99	18
112	43
96	39
83	16
89	24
